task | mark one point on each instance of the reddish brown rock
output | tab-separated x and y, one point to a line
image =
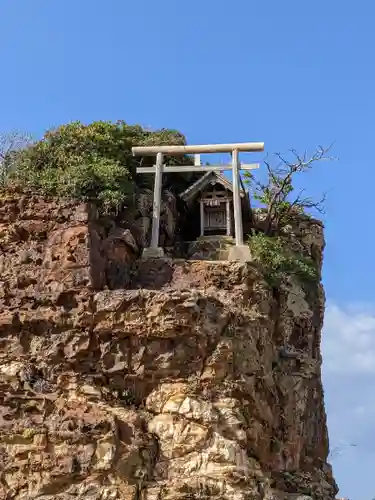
126	379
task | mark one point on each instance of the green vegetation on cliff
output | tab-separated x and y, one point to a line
89	162
94	162
281	205
278	259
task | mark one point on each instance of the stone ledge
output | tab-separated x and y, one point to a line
240	253
165	272
152	253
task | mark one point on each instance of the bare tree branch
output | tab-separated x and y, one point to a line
278	192
10	143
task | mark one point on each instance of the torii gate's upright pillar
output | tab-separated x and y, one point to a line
239	251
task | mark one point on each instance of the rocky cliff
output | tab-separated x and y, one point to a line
154	380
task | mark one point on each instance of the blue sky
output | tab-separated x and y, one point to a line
293	74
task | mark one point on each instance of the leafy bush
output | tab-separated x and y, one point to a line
277	259
89	162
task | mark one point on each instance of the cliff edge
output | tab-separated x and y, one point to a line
164	379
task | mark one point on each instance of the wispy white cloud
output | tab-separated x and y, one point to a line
348	341
348	349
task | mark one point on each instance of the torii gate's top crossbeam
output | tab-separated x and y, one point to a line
206	148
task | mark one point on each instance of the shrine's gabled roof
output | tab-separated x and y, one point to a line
203	182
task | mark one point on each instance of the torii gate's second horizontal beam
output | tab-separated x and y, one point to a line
206	148
195	168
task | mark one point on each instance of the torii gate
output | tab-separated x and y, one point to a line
239	251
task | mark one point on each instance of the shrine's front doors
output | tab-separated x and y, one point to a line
215	219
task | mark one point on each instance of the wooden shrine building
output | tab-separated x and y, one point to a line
213	194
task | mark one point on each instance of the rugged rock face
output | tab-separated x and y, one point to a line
165	379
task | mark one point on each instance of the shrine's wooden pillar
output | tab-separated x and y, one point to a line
202	216
229	218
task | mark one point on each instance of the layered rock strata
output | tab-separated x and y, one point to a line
160	379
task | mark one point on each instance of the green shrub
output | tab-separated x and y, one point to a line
90	162
78	161
278	260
